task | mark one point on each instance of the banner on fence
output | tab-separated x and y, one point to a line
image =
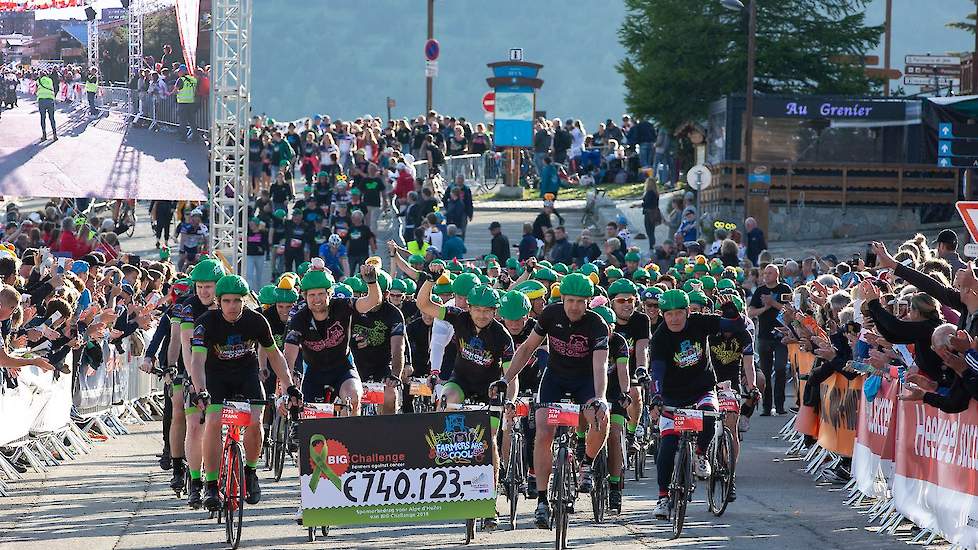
362	470
41	402
875	446
936	480
807	420
838	414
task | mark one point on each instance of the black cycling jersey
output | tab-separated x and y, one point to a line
727	353
633	330
687	373
617	350
410	311
232	345
191	311
419	342
481	352
277	325
529	377
325	344
371	338
572	345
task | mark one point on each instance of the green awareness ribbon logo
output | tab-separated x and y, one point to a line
321	467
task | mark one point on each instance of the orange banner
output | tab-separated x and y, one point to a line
838	416
807	420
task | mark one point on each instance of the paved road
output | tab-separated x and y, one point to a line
118	498
96	158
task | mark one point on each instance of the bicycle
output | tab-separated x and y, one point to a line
231	480
563	477
723	465
516	470
421	395
688	422
467	405
601	487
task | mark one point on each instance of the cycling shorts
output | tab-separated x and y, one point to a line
706	402
315	381
554	387
373	373
234	383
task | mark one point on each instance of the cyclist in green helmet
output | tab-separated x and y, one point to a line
378	345
683	376
618	395
186	432
485	349
229	344
578	342
280	302
321	331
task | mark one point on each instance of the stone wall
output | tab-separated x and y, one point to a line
826	222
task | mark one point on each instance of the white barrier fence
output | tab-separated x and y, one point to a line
37	422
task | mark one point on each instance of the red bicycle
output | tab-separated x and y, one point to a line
231	481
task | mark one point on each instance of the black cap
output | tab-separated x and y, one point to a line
494	225
947	236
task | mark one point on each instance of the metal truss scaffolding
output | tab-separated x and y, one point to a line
135	41
230	98
92	38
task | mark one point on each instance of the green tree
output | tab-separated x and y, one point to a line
967	25
681	54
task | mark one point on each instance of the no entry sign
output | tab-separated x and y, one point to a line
489	102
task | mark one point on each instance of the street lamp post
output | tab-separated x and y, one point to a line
749	114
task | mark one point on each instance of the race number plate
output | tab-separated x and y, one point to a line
688	420
236	413
563	414
373	393
317	410
420	388
729	403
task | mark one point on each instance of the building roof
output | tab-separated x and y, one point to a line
77	29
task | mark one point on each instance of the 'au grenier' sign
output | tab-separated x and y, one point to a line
815	107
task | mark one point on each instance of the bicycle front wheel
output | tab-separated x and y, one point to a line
559	502
721	478
514	475
234	489
599	491
682	487
280	446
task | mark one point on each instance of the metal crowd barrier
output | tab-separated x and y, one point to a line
116	394
474	168
162	110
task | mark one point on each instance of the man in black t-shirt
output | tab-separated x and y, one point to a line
321	330
634	327
228	346
765	305
683	376
578	342
378	345
299	238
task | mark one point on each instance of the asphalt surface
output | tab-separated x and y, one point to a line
95	157
118	498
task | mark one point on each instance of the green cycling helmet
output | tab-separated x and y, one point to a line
231	284
738	302
545	263
709	282
577	284
588	269
545	274
302	268
514	305
267	295
633	257
691	285
512	263
397	285
532	289
280	213
640	273
315	280
725	284
410	286
561	268
673	299
698	297
286	296
356	284
613	273
464	283
606	314
207	271
483	296
622	286
416	259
